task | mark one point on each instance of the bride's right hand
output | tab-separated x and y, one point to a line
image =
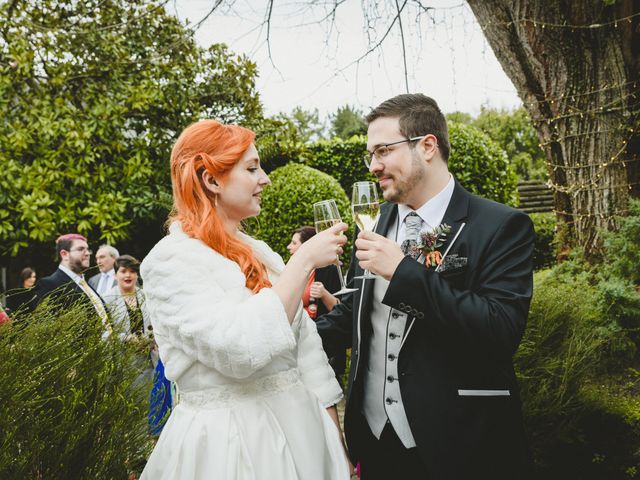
321	249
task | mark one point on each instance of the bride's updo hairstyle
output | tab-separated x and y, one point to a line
214	147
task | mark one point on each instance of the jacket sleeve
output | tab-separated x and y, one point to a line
336	327
317	374
491	315
192	313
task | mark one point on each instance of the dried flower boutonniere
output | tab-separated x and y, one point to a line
430	241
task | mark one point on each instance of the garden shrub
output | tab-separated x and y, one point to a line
288	204
573	350
544	248
278	144
342	159
623	246
70	406
480	165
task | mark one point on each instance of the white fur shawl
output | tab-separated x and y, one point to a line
201	311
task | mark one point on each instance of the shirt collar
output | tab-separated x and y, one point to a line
109	273
432	212
74	276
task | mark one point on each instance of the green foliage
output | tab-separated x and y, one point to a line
288	204
480	165
574	350
278	143
623	246
93	95
515	134
71	404
306	122
347	122
342	159
544	249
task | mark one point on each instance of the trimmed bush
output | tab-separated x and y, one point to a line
288	204
544	248
480	165
71	403
342	159
278	144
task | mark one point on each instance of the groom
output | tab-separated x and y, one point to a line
432	389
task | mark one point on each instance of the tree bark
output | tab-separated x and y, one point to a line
575	64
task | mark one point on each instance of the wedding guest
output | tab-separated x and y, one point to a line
16	299
4	318
105	280
126	301
129	313
317	298
67	286
257	395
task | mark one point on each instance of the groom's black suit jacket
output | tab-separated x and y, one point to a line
467	324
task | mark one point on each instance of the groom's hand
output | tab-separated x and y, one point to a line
378	254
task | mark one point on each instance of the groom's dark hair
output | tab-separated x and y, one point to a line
417	115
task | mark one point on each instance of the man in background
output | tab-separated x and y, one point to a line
106	279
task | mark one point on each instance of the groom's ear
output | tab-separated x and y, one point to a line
428	146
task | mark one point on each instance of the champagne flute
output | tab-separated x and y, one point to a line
326	215
365	207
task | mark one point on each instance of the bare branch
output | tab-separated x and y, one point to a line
216	4
404	51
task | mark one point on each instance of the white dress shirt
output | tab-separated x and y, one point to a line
382	398
106	282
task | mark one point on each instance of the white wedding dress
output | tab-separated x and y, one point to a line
253	389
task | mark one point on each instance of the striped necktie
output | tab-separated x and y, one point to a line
413	224
95	300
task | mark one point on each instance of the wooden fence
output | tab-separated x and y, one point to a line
535	196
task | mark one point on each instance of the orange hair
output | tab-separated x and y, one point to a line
214	147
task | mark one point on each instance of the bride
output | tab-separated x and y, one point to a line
257	393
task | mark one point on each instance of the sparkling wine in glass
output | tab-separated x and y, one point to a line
365	207
326	215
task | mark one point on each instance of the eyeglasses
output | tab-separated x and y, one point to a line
382	151
82	250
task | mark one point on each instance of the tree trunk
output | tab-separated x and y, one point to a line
575	64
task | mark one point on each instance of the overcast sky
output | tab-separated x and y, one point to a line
314	65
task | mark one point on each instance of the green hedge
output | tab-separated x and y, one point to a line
480	165
288	204
544	252
342	159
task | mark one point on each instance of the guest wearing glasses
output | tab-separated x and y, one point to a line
67	286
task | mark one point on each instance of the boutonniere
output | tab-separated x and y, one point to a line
430	241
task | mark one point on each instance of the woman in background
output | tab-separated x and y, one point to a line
16	299
317	298
128	310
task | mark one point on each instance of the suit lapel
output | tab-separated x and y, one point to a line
456	213
454	216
